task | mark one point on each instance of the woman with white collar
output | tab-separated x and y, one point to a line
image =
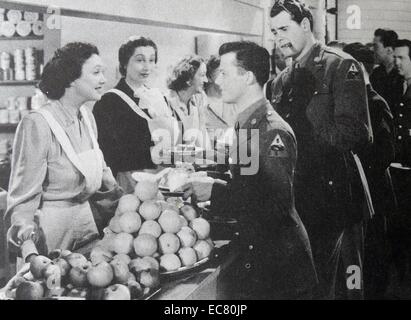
128	115
57	165
188	100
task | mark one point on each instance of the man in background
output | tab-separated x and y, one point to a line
376	159
385	78
323	97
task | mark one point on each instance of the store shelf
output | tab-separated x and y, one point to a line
18	83
8	127
29	37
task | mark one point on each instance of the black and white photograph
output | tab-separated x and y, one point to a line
219	150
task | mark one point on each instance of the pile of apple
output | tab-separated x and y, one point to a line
71	275
156	234
147	236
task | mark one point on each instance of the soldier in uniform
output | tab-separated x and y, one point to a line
401	173
275	260
403	108
376	160
323	97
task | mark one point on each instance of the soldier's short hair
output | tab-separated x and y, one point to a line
387	37
403	43
251	57
297	9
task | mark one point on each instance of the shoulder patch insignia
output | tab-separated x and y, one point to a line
277	144
277	148
353	68
353	73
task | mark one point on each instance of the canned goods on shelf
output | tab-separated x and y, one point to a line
6	74
7	29
23	28
31	16
20	75
38	28
4	60
14	16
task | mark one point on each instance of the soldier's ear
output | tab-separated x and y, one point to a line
389	50
251	79
305	24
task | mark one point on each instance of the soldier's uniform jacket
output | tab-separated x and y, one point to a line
402	118
323	98
275	255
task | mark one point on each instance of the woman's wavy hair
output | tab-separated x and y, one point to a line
64	68
184	72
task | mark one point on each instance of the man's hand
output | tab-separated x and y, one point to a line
200	187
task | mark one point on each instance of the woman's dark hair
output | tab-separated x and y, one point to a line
127	50
64	68
184	72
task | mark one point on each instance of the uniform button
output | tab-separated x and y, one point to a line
274	100
401	115
247	266
237	234
269	113
315	92
253	122
287	116
400	126
399	138
291	99
401	104
251	247
330	183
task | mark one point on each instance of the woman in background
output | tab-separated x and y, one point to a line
188	99
57	165
124	115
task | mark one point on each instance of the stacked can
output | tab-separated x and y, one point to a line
19	71
13	111
31	63
6	72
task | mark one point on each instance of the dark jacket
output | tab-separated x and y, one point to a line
275	255
124	136
387	85
325	102
377	157
402	119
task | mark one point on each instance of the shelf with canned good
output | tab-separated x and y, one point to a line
19	83
8	127
30	37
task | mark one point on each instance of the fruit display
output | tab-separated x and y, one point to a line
155	233
148	236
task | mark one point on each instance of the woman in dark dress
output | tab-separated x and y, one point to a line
123	113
